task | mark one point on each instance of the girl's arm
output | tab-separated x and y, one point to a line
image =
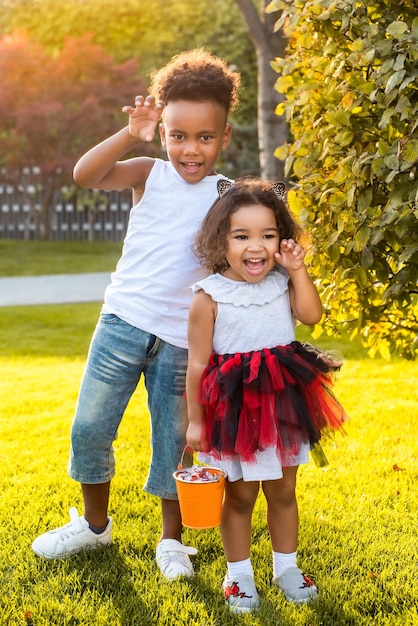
101	168
200	336
304	298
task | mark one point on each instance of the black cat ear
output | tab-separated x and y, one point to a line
279	189
223	186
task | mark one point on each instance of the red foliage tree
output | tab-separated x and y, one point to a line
52	109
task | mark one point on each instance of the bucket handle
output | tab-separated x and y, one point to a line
186	457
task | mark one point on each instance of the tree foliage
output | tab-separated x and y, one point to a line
149	30
53	109
350	80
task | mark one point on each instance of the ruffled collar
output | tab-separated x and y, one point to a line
238	293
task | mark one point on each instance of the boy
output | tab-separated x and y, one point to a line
143	324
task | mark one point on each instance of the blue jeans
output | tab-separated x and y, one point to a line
119	354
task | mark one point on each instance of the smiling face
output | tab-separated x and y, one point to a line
194	133
252	240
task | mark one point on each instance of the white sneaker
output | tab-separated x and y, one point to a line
240	593
172	559
296	586
71	538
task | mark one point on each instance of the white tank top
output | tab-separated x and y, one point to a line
151	287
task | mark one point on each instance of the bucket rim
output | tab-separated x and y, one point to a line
222	474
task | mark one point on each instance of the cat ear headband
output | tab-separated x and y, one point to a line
223	185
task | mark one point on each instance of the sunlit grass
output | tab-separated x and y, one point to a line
34	258
358	531
62	330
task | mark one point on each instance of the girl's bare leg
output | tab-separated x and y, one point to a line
237	511
282	519
282	511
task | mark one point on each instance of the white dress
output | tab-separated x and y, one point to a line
251	316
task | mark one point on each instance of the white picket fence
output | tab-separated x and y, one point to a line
88	216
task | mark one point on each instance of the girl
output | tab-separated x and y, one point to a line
257	399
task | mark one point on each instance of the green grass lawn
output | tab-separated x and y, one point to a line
358	528
31	258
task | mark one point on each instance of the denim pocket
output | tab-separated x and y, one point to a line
109	318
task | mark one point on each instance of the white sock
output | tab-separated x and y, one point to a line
282	562
240	567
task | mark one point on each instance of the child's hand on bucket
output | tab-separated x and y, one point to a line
195	438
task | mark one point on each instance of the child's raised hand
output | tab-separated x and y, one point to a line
144	117
291	255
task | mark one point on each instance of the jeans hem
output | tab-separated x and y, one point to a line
164	495
91	480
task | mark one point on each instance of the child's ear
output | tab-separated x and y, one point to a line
162	135
227	137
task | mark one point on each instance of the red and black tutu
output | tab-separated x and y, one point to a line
279	396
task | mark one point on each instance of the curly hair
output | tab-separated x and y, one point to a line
211	242
198	76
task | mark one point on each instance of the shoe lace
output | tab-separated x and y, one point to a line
173	555
69	530
175	552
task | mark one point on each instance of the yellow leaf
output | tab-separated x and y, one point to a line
384	350
283	83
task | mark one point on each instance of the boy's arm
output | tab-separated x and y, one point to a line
200	336
101	168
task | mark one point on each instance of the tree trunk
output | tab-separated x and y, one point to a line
272	129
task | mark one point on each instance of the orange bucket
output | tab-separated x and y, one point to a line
200	502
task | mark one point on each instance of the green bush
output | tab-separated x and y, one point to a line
350	80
